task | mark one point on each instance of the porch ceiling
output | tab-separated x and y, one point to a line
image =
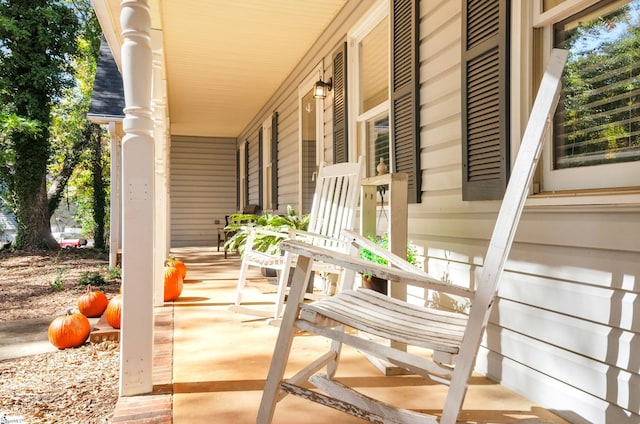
224	59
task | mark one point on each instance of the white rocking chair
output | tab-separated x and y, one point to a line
453	337
333	209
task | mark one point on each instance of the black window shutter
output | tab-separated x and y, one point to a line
260	169
405	101
246	173
485	99
340	139
274	161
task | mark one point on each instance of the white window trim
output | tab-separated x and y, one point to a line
559	12
242	175
526	16
267	184
304	88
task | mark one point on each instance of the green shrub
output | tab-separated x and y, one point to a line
92	278
113	273
58	283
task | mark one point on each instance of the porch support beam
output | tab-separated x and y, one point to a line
136	337
161	137
115	232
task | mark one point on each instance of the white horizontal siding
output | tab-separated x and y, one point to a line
440	106
575	405
591	346
203	188
566	329
617	388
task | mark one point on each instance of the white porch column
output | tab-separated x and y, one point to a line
115	227
136	337
158	105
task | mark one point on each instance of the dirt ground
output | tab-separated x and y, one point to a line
78	385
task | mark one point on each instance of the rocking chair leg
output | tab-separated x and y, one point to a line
242	281
455	397
283	279
283	344
332	366
345	282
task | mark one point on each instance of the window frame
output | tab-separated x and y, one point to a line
243	169
571	185
357	145
403	104
267	163
303	89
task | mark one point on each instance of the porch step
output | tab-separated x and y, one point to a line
103	331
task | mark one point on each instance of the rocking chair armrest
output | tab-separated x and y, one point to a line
301	235
394	260
414	276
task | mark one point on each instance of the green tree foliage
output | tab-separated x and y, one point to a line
598	122
48	54
89	189
99	197
37	40
80	158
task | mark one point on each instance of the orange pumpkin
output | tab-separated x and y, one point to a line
177	263
181	267
113	311
92	303
172	283
70	330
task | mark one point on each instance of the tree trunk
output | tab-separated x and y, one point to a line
99	195
30	194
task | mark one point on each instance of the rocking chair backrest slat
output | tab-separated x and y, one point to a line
333	209
333	205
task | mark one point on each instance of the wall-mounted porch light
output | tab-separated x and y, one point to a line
321	88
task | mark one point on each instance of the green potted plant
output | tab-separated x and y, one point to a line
271	231
376	283
268	243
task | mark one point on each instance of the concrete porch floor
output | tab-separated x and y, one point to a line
210	364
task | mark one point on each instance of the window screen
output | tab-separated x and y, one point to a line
597	120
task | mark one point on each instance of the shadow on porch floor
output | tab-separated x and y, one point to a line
210	364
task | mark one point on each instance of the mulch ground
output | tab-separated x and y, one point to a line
78	385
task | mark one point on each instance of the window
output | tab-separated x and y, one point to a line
596	131
371	65
308	144
384	90
311	136
267	165
243	175
375	132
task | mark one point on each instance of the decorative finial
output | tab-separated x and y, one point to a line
382	167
